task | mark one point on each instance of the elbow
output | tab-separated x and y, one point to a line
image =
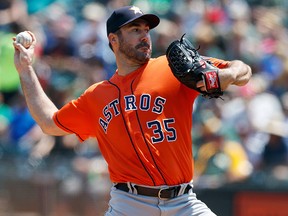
244	73
249	72
52	129
46	124
247	75
46	130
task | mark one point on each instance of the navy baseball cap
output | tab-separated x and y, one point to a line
127	14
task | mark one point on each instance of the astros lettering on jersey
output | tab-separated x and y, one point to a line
140	126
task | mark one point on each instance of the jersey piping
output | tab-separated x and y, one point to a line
127	131
146	140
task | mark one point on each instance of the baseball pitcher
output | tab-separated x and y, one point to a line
141	116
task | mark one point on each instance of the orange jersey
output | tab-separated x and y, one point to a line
142	122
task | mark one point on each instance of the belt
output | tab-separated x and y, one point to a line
161	193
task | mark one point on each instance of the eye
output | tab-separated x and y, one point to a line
135	30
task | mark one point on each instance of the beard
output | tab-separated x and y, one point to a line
133	53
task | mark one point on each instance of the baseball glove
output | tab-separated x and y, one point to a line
189	68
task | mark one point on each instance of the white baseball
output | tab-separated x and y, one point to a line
24	38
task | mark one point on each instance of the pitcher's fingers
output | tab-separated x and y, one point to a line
34	41
19	46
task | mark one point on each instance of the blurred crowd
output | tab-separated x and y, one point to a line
236	138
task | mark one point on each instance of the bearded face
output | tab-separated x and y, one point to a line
140	52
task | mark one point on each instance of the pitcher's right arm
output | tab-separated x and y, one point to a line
40	106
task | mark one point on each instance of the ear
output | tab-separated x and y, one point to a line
112	38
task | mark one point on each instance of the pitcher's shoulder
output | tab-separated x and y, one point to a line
159	59
159	62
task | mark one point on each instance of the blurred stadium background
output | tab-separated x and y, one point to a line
240	143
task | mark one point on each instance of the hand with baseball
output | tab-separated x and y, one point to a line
24	50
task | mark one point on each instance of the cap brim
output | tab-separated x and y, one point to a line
152	20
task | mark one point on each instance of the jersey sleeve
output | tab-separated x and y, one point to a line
219	63
75	118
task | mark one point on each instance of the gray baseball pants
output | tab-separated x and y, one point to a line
128	204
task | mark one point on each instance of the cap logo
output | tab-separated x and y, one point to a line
136	10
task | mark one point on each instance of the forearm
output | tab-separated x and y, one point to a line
40	106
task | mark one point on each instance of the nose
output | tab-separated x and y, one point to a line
145	37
